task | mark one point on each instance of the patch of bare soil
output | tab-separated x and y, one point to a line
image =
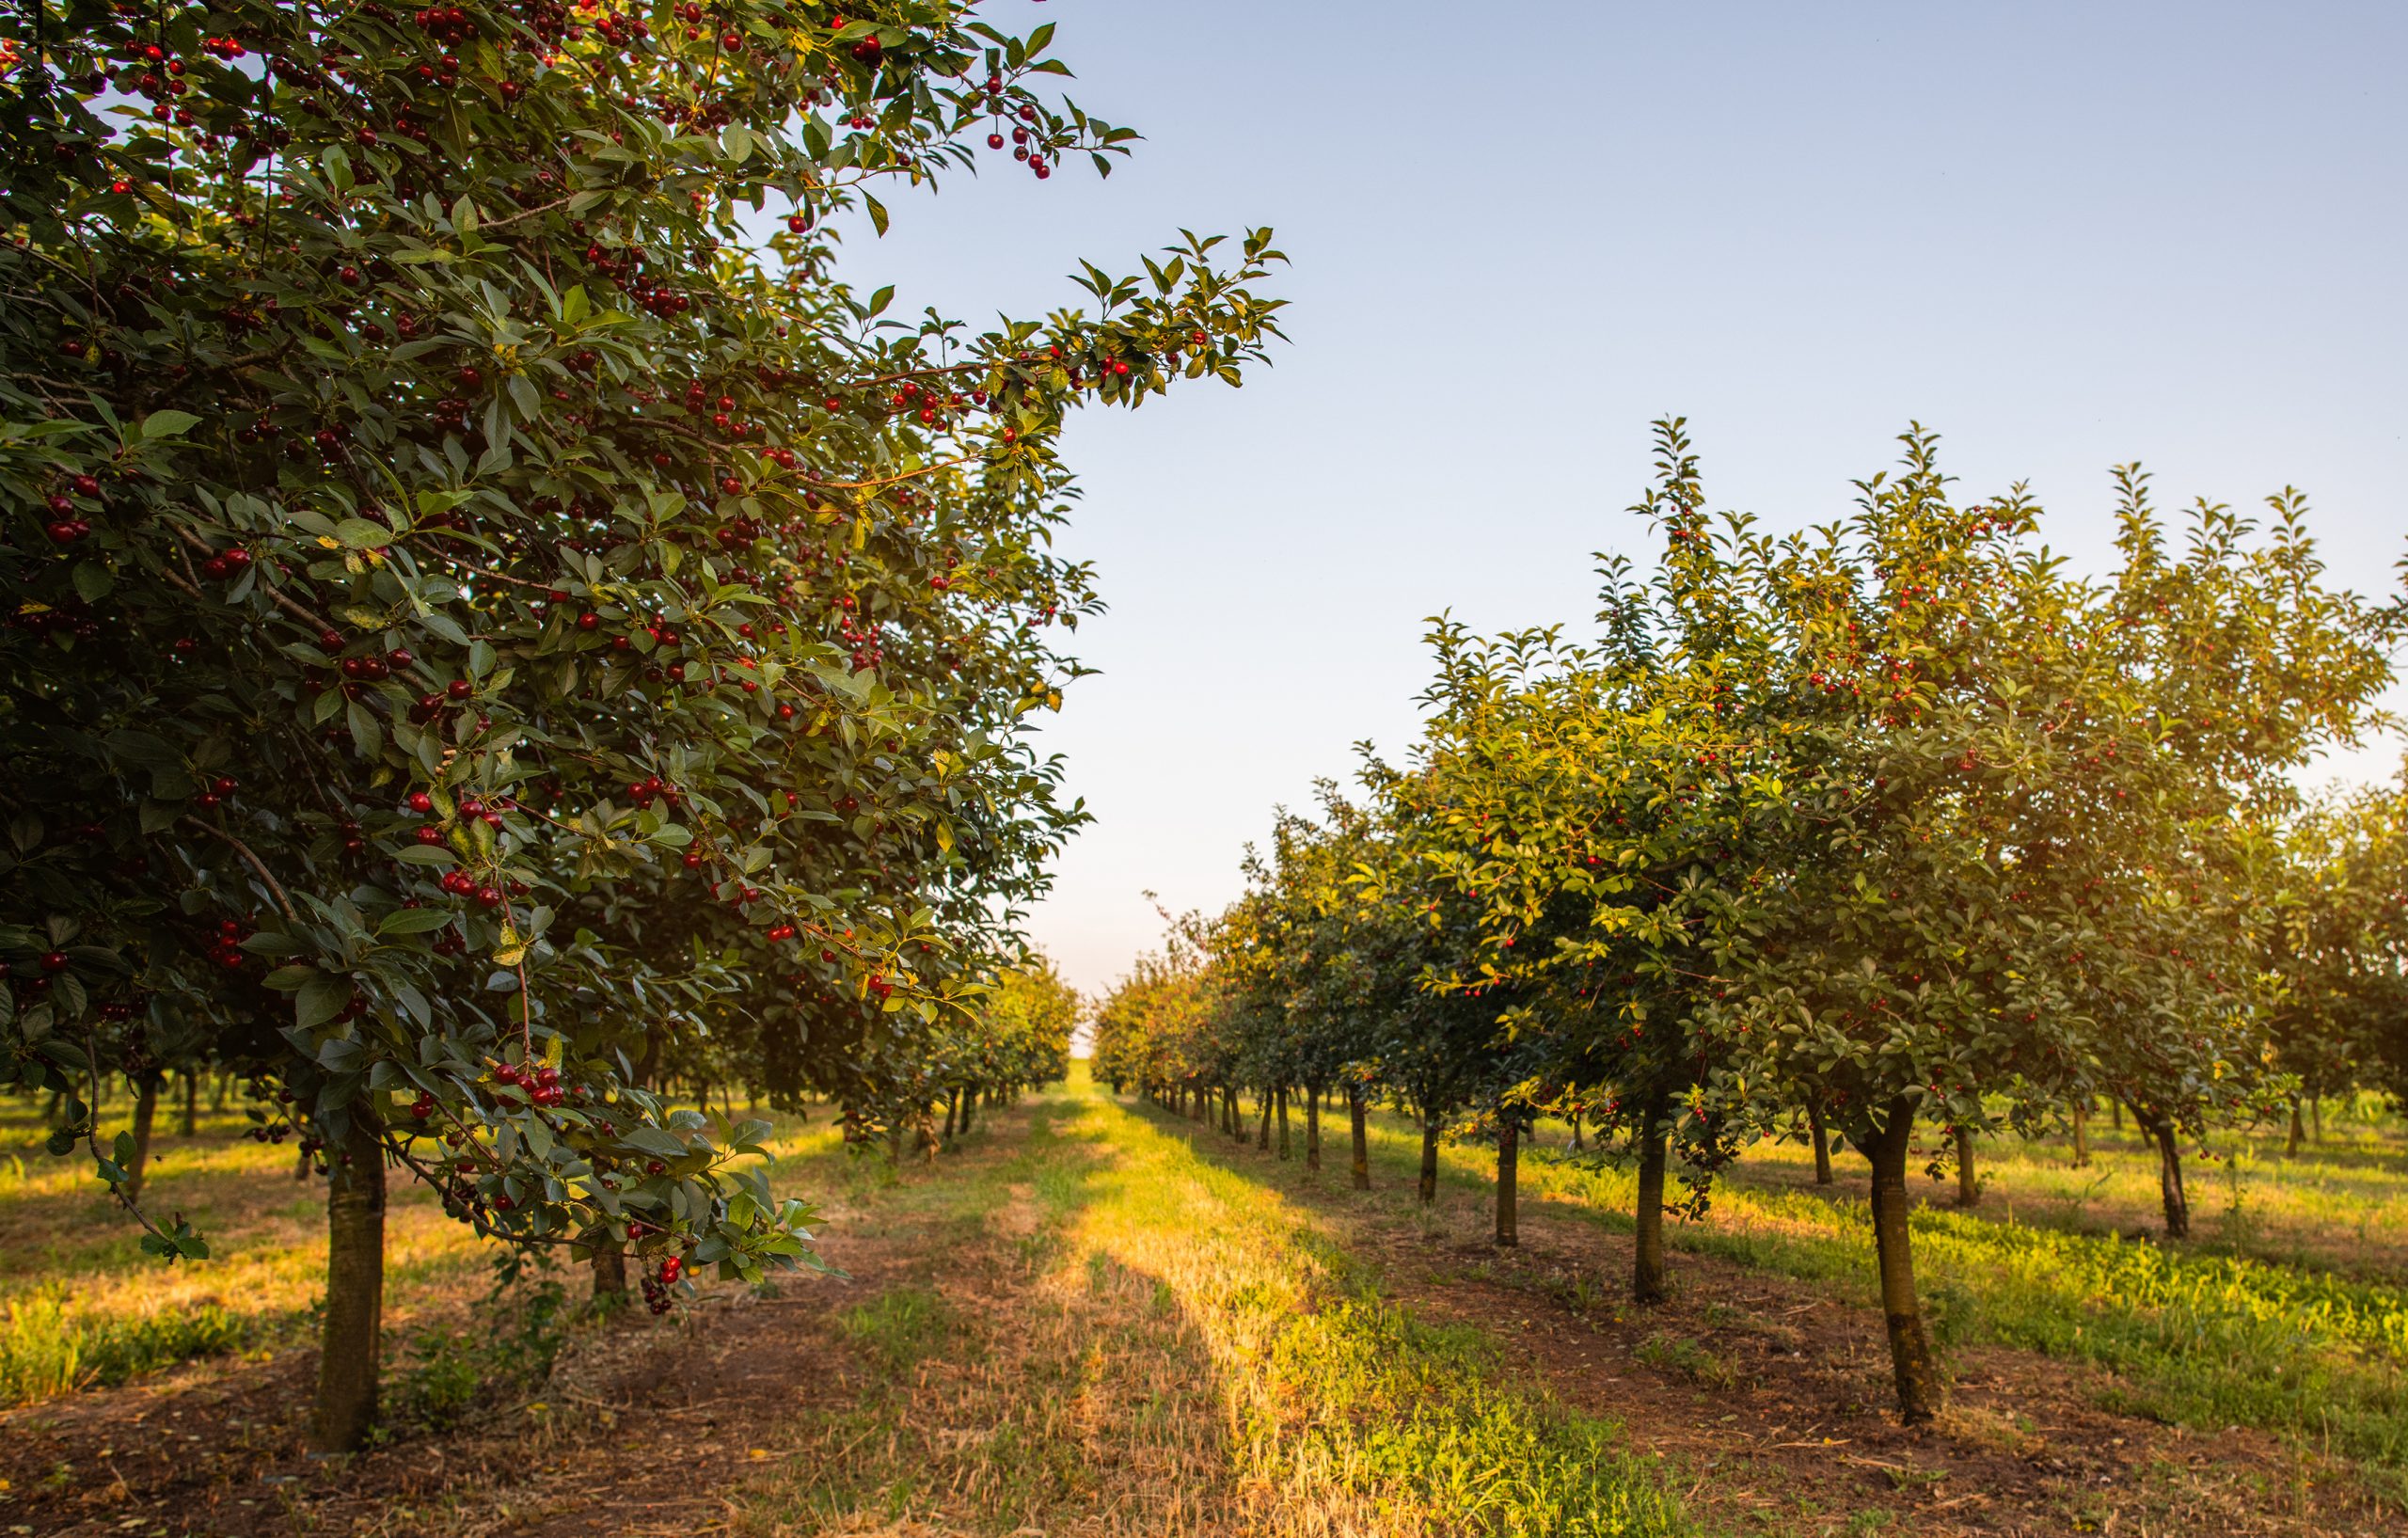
644	1427
1773	1400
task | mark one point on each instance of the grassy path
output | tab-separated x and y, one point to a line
1131	1337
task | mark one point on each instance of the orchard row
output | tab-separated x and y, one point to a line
1893	822
496	622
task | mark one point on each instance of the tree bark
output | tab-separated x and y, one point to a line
2082	1132
2298	1132
1911	1360
1822	1143
1509	1155
192	1104
2116	1109
1263	1133
351	1347
609	1268
1312	1130
1362	1140
1969	1180
1647	1259
146	1115
1231	1125
2316	1118
2169	1176
1283	1121
969	1109
952	1112
1428	1188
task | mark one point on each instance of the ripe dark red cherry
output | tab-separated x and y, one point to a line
459	689
53	961
421	802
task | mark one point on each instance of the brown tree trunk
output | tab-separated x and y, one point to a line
145	1115
1509	1155
1910	1359
1578	1143
2298	1132
351	1345
2169	1177
952	1112
1312	1131
1362	1153
1231	1124
2316	1118
609	1268
1283	1121
1428	1188
1263	1133
1969	1181
1822	1143
192	1104
2082	1132
2115	1110
969	1109
1647	1261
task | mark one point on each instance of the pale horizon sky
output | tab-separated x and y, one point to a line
2064	236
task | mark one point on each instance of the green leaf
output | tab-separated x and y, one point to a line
168	425
320	999
877	211
93	580
362	535
404	921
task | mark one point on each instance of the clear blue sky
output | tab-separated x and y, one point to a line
2063	236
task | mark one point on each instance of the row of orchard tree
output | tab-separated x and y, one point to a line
1893	823
496	618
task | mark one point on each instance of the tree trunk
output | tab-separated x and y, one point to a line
145	1115
2316	1118
2169	1177
1509	1154
1263	1133
1312	1130
2298	1132
894	1144
351	1346
969	1109
2116	1109
1822	1143
609	1268
1283	1121
1910	1359
2082	1132
219	1087
1969	1181
192	1104
952	1112
1428	1189
1578	1143
1231	1125
1647	1260
1362	1140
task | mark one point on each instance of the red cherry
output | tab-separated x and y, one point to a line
421	802
66	531
53	961
459	689
428	834
330	641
